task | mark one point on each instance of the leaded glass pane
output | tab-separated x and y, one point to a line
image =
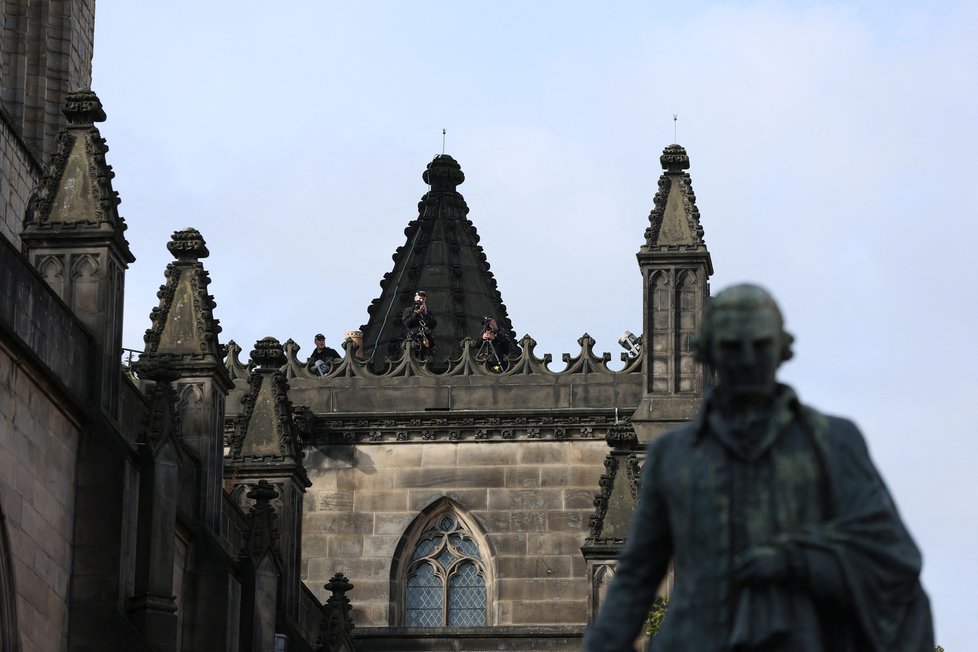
445	558
426	547
465	546
424	598
447	523
466	598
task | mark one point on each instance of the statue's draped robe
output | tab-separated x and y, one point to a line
807	486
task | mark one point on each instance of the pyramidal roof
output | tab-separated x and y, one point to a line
183	324
442	256
674	223
75	199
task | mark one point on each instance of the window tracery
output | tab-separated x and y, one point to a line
445	575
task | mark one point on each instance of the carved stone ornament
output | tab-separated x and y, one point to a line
623	441
622	435
261	537
674	158
75	198
269	437
268	353
192	333
673	180
83	107
443	174
187	245
156	367
337	623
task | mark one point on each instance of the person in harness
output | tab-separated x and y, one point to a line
420	322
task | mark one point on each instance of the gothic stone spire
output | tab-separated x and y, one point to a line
183	324
75	199
265	442
442	256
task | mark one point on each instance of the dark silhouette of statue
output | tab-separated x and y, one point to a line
783	535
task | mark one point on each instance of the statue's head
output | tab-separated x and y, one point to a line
743	339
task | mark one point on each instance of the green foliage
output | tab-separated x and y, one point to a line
938	649
656	615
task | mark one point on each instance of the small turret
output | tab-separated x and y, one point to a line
73	236
676	267
185	332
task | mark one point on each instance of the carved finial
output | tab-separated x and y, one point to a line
338	584
187	245
622	436
156	367
83	108
268	353
337	624
262	493
674	159
443	173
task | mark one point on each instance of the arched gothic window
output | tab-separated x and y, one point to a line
444	574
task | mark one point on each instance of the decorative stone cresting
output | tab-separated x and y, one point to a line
467	363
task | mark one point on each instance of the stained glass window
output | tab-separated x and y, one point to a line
446	581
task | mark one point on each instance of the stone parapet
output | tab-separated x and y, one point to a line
43	325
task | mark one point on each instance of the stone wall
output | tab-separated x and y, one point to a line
47	52
37	476
532	500
44	367
19	174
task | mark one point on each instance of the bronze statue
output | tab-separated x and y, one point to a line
783	535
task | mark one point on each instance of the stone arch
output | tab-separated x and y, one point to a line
688	301
84	284
9	638
603	574
442	572
657	339
191	396
53	270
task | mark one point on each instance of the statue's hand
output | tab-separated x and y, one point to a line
760	565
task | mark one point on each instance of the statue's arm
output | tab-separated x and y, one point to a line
642	565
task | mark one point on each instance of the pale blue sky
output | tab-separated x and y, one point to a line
833	150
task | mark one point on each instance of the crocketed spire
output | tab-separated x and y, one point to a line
442	256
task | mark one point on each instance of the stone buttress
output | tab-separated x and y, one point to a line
265	447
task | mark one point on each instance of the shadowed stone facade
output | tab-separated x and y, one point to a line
116	531
536	468
198	501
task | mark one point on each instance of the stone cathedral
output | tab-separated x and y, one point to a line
216	495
